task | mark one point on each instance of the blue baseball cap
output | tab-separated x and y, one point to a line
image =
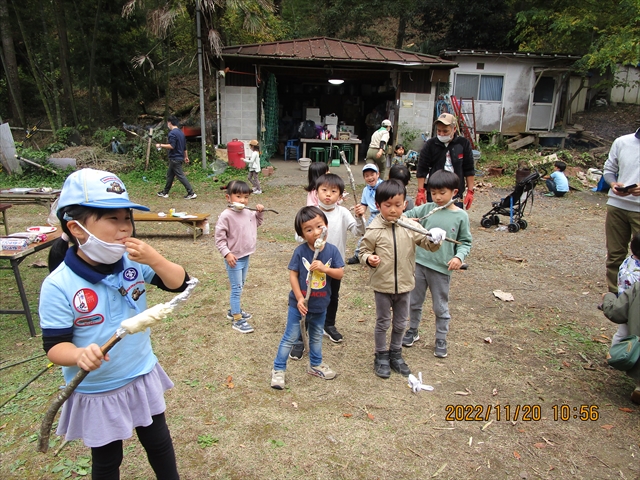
97	189
370	166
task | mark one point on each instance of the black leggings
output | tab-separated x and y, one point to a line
155	439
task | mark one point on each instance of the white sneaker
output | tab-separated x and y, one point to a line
277	379
257	192
322	371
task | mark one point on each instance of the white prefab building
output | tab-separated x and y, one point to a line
514	92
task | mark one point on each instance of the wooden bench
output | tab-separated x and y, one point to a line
3	209
14	198
196	222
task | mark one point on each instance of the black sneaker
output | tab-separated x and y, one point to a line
441	348
353	260
332	332
297	351
410	337
163	195
190	196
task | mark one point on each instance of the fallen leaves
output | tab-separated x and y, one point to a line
607	427
504	296
347	415
465	393
626	409
370	416
517	455
540	445
488	340
229	382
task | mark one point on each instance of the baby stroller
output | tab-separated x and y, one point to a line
513	205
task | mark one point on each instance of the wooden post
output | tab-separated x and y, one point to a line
146	163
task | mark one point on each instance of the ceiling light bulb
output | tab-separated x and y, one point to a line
336	81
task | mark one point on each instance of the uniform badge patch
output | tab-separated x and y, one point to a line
85	300
130	274
96	319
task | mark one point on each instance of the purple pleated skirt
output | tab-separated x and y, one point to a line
101	418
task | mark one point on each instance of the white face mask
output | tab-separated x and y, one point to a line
324	206
100	251
444	138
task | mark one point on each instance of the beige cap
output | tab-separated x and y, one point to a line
447	119
254	143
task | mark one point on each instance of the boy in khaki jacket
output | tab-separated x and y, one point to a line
390	251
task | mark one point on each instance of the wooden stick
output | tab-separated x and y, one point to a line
22	159
47	421
352	181
135	324
424	231
319	243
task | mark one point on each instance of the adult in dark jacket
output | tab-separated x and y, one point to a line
448	151
178	155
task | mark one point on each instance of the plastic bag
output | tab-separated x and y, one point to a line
53	219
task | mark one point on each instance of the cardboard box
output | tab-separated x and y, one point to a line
331	119
14	244
314	112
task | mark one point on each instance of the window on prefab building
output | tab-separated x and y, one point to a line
480	87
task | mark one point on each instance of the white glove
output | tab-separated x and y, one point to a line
437	235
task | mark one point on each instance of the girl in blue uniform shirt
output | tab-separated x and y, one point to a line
93	286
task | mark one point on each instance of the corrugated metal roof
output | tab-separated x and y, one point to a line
489	53
332	49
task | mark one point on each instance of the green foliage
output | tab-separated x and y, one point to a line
62	135
606	33
68	468
207	440
103	136
276	443
408	134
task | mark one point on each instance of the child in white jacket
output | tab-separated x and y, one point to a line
254	165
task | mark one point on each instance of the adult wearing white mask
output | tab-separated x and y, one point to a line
379	141
448	151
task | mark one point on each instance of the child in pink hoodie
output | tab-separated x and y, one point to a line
236	238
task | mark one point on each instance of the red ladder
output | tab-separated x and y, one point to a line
464	128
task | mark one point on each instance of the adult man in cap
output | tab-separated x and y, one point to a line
379	140
447	151
622	169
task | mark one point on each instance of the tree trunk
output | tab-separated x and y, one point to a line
34	69
54	86
115	104
65	73
402	29
167	86
92	58
10	65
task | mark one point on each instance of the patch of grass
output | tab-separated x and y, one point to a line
207	440
358	302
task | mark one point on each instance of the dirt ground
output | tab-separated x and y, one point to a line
545	360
